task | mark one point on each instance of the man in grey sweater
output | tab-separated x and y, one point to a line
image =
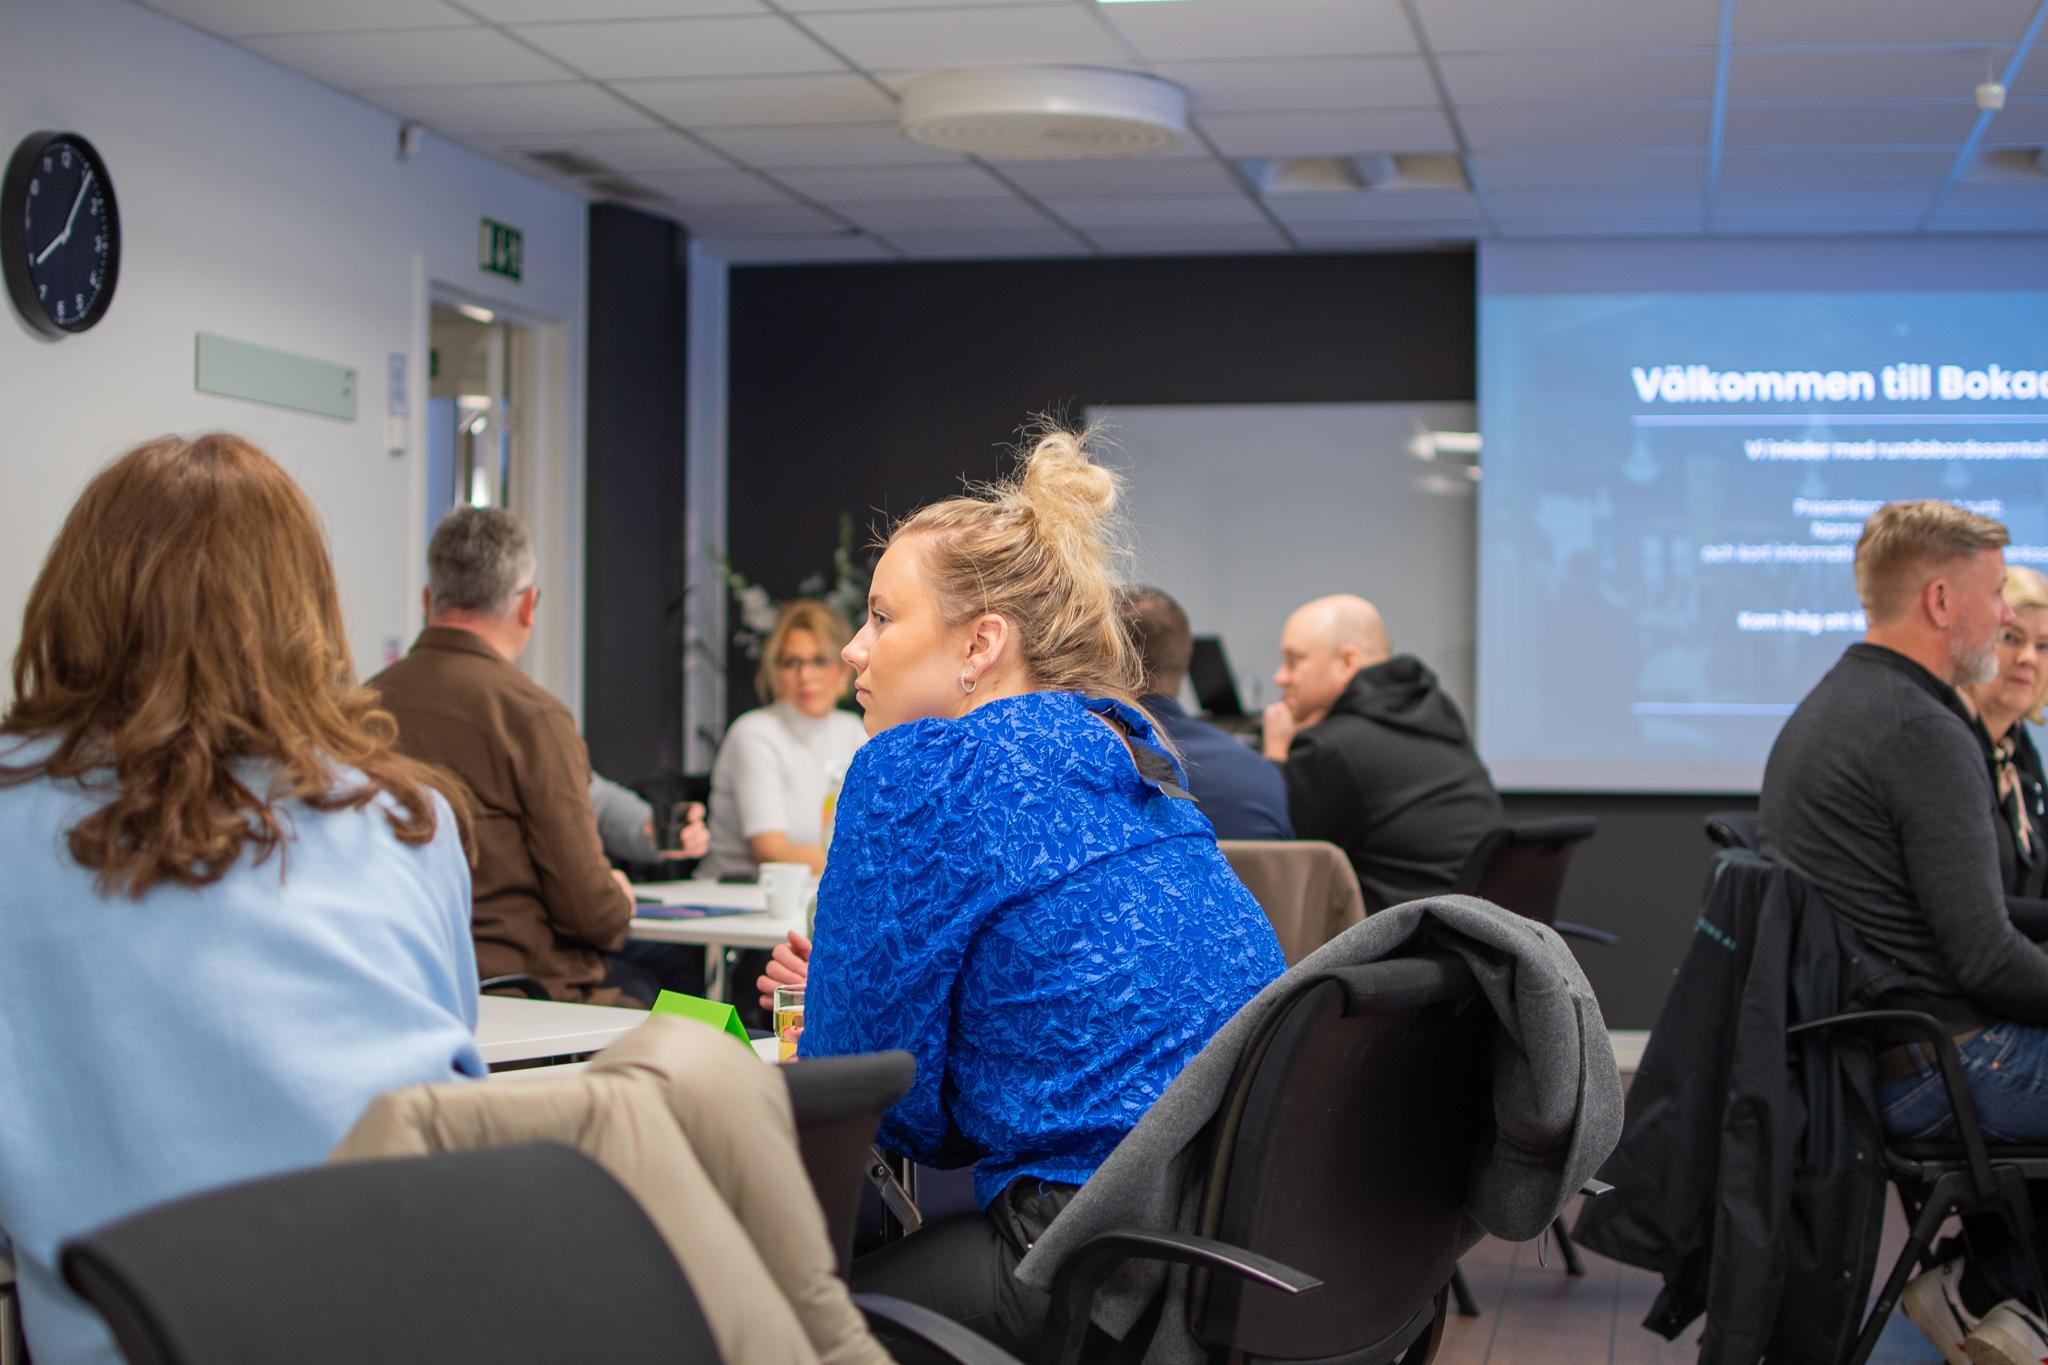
1877	792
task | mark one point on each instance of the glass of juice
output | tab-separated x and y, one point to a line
789	1020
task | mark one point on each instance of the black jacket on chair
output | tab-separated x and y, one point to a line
1390	776
1749	1173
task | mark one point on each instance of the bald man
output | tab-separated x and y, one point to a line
1377	758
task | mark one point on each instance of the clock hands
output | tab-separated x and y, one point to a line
69	219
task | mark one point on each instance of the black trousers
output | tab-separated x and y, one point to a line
960	1267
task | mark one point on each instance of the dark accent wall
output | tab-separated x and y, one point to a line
635	568
874	388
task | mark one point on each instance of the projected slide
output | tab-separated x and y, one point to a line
1674	484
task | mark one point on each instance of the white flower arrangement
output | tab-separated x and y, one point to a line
846	592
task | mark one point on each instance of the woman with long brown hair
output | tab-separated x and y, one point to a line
231	914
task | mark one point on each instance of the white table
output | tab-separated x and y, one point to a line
755	928
513	1030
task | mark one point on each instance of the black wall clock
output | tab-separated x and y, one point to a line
60	234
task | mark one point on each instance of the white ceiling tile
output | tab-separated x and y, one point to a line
1333	83
1640	201
833	6
245	18
1803	124
1196	239
1011	244
542	11
1892	73
2021	121
880	144
1330	134
1822	200
657	48
1835	165
552	109
1882	21
907	182
1666	166
2005	201
934	215
1146	210
763	101
1619	228
1562	77
2029	223
1368	206
1329	236
1263	28
1538	25
979	36
1805	225
433	56
723	220
1146	175
1582	126
715	187
654	149
810	248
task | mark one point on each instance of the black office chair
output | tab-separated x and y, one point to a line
1521	867
1337	1160
506	1256
838	1103
1936	1179
1735	829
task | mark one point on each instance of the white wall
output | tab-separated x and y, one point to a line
259	205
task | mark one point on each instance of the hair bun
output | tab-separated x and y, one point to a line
1064	487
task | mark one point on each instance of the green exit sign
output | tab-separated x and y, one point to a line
501	248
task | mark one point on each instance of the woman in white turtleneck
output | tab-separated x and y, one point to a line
778	770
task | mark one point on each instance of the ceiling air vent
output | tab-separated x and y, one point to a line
1045	113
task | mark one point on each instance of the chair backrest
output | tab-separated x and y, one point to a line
1343	1149
1735	828
1520	866
1306	887
504	1256
838	1103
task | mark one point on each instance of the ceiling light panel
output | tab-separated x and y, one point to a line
651	49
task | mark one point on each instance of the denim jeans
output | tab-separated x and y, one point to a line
2006	1069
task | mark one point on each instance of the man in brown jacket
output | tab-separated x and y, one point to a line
544	899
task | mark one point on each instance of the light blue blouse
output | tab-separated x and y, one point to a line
152	1048
1051	935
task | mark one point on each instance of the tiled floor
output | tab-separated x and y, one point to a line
1535	1314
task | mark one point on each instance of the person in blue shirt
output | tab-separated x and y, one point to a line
1019	891
232	916
1239	789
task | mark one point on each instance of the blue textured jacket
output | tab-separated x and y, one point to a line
1050	934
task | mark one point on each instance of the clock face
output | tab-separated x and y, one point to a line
60	233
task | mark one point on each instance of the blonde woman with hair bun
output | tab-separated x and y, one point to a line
1020	892
2004	707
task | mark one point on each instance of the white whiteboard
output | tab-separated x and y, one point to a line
1242	512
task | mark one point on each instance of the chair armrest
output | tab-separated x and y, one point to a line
942	1334
1567	929
1929	1032
528	986
1075	1284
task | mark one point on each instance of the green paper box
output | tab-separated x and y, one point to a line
720	1016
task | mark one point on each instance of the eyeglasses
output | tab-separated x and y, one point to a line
817	663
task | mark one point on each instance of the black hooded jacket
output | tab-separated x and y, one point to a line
1390	777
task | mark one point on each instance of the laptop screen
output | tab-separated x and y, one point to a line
1209	671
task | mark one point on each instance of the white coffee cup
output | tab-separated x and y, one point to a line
784	886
